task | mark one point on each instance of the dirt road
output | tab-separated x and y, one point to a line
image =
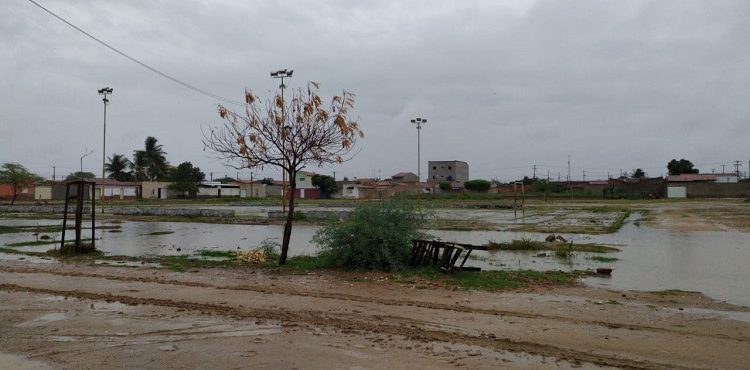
87	317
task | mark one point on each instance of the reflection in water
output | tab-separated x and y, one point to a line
715	263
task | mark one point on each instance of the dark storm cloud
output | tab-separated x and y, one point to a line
504	84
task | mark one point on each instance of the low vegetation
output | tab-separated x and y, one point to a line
377	236
165	232
533	245
604	259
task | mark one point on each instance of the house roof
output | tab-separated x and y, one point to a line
691	177
111	182
247	182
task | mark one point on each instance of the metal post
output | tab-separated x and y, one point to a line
79	212
65	215
93	220
104	92
283	73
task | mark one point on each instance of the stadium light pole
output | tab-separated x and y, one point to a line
419	122
104	92
282	74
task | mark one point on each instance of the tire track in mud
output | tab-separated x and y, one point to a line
408	329
383	301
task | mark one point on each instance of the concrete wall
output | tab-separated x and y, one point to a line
257	190
716	190
172	211
43	192
447	171
150	189
274	190
214	192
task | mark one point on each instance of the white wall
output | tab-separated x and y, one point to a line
676	192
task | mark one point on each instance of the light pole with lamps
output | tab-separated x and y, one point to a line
104	92
82	157
283	73
419	122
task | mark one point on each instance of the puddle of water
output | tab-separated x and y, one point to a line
21	257
714	263
44	319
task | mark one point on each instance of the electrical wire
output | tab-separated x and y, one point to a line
142	64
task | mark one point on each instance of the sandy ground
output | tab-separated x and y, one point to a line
716	215
76	316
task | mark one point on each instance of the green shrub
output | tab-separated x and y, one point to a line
445	186
376	236
477	185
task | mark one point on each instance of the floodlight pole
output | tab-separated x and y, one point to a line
104	92
283	73
419	122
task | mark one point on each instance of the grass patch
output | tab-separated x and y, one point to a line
486	280
39	242
160	233
210	253
617	225
30	229
26	253
183	263
673	292
604	259
48	228
533	245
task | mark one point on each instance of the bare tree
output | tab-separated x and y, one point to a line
288	135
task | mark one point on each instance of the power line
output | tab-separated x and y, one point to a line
144	65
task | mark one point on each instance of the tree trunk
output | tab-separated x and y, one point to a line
289	217
15	194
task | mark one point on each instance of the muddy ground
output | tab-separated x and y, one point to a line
78	316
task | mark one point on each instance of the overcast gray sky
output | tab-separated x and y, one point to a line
504	84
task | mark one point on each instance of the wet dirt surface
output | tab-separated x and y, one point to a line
79	316
658	253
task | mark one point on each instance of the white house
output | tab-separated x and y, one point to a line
727	178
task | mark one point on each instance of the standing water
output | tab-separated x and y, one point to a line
714	263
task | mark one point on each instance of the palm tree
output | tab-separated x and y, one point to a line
118	168
151	162
157	161
138	165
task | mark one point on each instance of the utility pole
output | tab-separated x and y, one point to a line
584	175
737	165
569	188
104	92
419	122
534	169
251	184
53	173
84	156
212	176
722	168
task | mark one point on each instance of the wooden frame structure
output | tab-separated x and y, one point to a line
442	254
80	188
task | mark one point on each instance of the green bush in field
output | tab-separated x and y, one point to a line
477	185
376	236
445	186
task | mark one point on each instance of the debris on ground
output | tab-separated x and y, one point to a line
255	256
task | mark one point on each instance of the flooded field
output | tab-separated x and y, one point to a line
711	262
